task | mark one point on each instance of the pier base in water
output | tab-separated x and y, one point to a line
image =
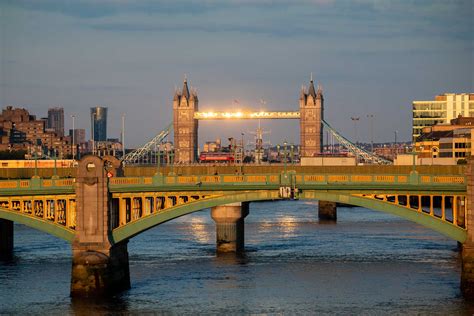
6	238
96	273
230	228
467	273
327	211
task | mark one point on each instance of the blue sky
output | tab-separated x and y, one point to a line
371	57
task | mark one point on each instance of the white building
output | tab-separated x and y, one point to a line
441	110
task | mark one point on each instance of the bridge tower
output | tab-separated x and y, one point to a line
311	110
99	266
185	103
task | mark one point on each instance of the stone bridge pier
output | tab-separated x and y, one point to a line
327	211
230	227
467	274
98	265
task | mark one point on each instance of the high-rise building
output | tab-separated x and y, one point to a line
441	110
78	135
56	120
99	124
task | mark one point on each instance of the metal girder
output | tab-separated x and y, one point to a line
134	228
357	151
135	155
48	227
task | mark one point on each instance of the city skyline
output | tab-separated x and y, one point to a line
370	57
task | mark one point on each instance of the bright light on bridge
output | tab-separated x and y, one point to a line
246	115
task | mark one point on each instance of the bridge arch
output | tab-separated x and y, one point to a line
136	227
437	224
39	224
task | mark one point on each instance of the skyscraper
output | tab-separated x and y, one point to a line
56	120
99	123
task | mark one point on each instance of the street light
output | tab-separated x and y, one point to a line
93	133
123	136
371	118
73	132
355	119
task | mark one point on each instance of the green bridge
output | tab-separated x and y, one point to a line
100	209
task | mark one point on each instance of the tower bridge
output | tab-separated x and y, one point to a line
99	210
186	117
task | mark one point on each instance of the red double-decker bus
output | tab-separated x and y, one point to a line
222	157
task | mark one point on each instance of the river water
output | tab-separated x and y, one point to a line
367	263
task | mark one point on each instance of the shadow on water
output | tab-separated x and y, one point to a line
240	258
327	222
99	306
9	259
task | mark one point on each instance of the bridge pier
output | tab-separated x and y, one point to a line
101	272
6	239
99	266
467	272
327	211
230	228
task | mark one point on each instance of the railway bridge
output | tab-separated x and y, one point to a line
100	209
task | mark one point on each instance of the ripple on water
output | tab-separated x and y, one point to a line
367	263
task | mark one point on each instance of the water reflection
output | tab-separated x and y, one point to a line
200	230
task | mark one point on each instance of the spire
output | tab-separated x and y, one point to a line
185	92
176	94
312	91
194	94
303	93
320	91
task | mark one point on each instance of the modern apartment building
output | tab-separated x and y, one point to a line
441	110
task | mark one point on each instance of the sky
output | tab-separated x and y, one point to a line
372	57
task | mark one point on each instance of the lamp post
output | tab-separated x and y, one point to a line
123	136
292	154
73	136
355	119
36	164
243	149
93	133
371	118
278	153
284	155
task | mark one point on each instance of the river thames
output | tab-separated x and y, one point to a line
367	263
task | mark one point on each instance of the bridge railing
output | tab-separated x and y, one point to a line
456	182
251	181
37	184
